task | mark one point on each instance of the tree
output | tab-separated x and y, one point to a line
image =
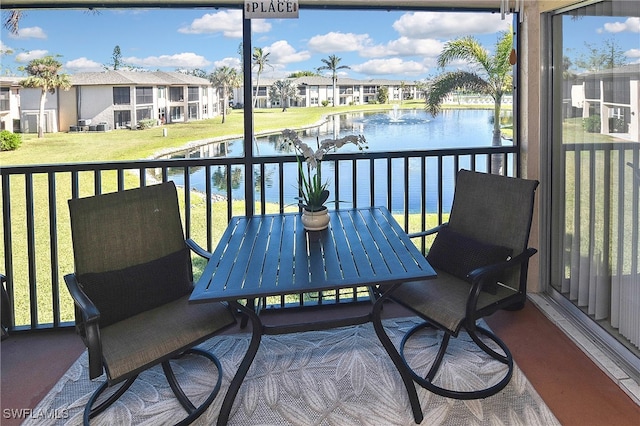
116	59
403	90
489	75
299	74
225	78
43	74
282	91
11	20
605	57
196	72
331	64
383	95
260	59
116	62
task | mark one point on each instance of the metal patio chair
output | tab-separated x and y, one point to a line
481	258
131	286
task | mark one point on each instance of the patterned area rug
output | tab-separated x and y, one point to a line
336	377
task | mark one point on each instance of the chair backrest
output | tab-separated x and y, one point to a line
129	250
494	209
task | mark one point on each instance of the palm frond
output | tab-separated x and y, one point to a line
448	82
465	48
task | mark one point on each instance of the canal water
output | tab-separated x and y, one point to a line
388	131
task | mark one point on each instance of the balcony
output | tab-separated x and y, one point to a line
35	226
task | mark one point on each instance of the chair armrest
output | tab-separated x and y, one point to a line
89	329
479	276
428	231
197	249
496	268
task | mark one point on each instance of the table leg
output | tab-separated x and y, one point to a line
236	382
397	360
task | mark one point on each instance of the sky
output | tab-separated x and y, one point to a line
373	44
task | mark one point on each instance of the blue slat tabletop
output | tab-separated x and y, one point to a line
270	255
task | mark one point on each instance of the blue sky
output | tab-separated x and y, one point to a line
374	44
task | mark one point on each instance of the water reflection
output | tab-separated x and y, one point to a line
396	130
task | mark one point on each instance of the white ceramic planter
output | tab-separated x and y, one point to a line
315	221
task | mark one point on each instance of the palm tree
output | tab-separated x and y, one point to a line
260	59
490	75
331	64
225	78
43	74
12	21
283	91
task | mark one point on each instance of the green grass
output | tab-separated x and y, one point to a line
125	144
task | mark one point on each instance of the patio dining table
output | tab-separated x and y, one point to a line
273	255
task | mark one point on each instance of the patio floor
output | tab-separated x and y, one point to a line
572	385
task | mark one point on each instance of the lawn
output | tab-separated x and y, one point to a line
125	144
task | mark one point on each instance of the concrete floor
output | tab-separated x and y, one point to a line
573	386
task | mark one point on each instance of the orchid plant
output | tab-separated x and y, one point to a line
313	190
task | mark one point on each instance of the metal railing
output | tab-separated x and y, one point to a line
35	222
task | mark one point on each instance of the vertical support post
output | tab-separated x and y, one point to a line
248	118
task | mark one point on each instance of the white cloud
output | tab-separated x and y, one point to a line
633	55
229	23
339	42
423	25
631	25
228	62
83	65
179	60
4	47
404	46
26	57
281	52
389	67
30	32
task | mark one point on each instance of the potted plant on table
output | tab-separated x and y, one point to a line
313	190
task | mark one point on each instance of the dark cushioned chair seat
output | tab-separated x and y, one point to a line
444	300
134	344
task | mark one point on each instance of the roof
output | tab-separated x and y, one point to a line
624	70
342	81
135	78
6	80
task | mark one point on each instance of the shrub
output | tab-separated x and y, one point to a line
591	124
147	124
9	141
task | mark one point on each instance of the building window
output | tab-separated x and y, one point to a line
144	95
176	94
121	119
193	111
121	96
143	114
162	92
193	94
5	104
177	113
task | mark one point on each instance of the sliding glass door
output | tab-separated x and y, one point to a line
595	63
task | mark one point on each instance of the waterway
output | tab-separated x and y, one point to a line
387	131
